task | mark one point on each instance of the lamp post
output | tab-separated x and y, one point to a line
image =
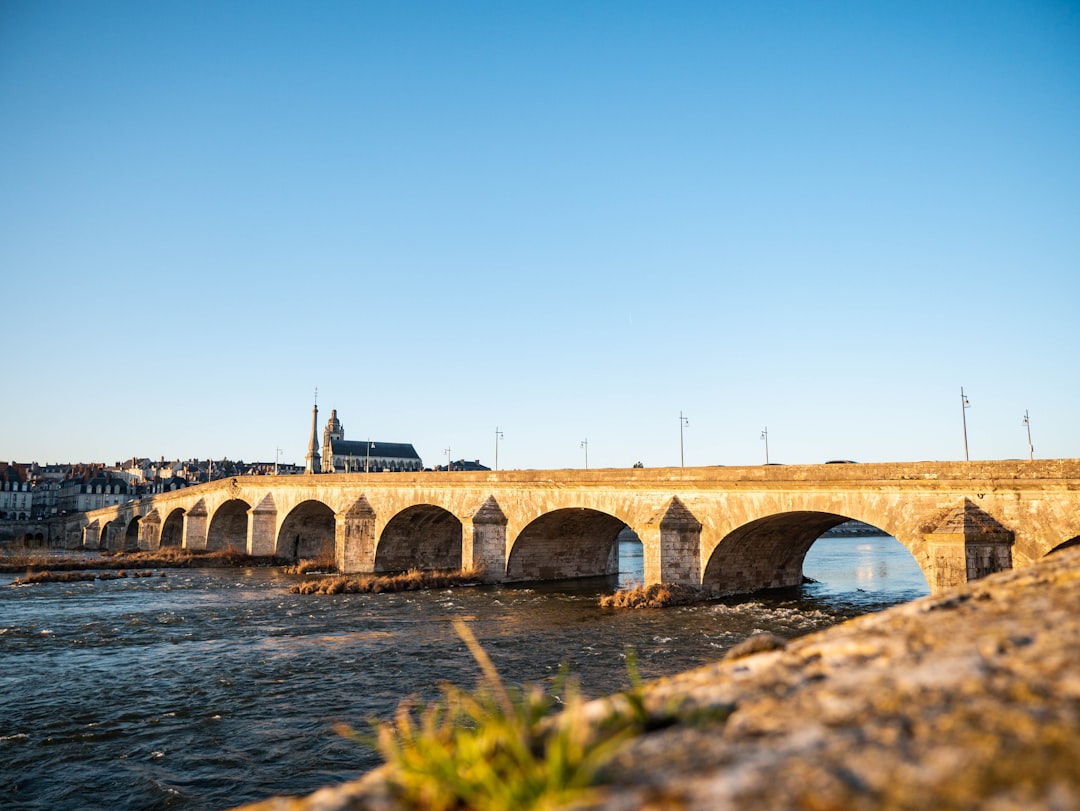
965	404
765	436
1031	448
498	436
448	466
277	458
585	445
367	455
682	421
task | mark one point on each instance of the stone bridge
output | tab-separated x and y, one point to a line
724	529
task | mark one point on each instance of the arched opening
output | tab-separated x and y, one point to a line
776	552
1069	544
307	532
103	536
172	530
228	527
565	544
420	537
131	534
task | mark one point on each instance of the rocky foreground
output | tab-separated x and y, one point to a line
965	699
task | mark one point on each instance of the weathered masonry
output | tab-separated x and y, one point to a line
727	530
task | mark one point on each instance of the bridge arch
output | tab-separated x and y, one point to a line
307	532
768	552
172	529
229	526
424	536
1069	544
107	530
566	543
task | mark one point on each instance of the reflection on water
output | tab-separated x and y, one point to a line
210	688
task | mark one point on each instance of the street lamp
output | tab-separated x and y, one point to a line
498	436
1031	448
765	436
585	445
682	421
367	455
277	458
448	466
965	404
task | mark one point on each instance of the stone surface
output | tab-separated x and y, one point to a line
966	699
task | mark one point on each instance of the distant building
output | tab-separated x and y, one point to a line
464	464
16	495
93	490
340	455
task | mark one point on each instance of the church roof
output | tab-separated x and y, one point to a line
380	450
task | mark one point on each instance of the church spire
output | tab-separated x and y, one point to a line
311	461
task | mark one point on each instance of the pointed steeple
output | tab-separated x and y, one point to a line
312	461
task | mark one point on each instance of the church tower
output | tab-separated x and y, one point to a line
333	431
312	463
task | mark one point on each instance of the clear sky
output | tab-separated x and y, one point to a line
567	220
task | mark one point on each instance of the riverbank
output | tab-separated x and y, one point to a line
965	699
167	558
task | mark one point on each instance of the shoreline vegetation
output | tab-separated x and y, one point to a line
412	580
168	558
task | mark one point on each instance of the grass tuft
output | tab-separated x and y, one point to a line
499	748
658	595
321	565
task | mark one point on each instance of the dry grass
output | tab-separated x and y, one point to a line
658	595
497	748
412	580
322	565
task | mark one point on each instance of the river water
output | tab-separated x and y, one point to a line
208	688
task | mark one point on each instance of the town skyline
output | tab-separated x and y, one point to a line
562	223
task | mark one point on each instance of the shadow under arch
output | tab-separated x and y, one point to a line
567	543
423	536
768	553
131	534
172	529
228	527
307	532
1069	544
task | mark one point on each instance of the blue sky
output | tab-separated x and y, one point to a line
564	220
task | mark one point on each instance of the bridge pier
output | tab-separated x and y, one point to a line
262	520
967	545
195	523
672	546
483	541
354	538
